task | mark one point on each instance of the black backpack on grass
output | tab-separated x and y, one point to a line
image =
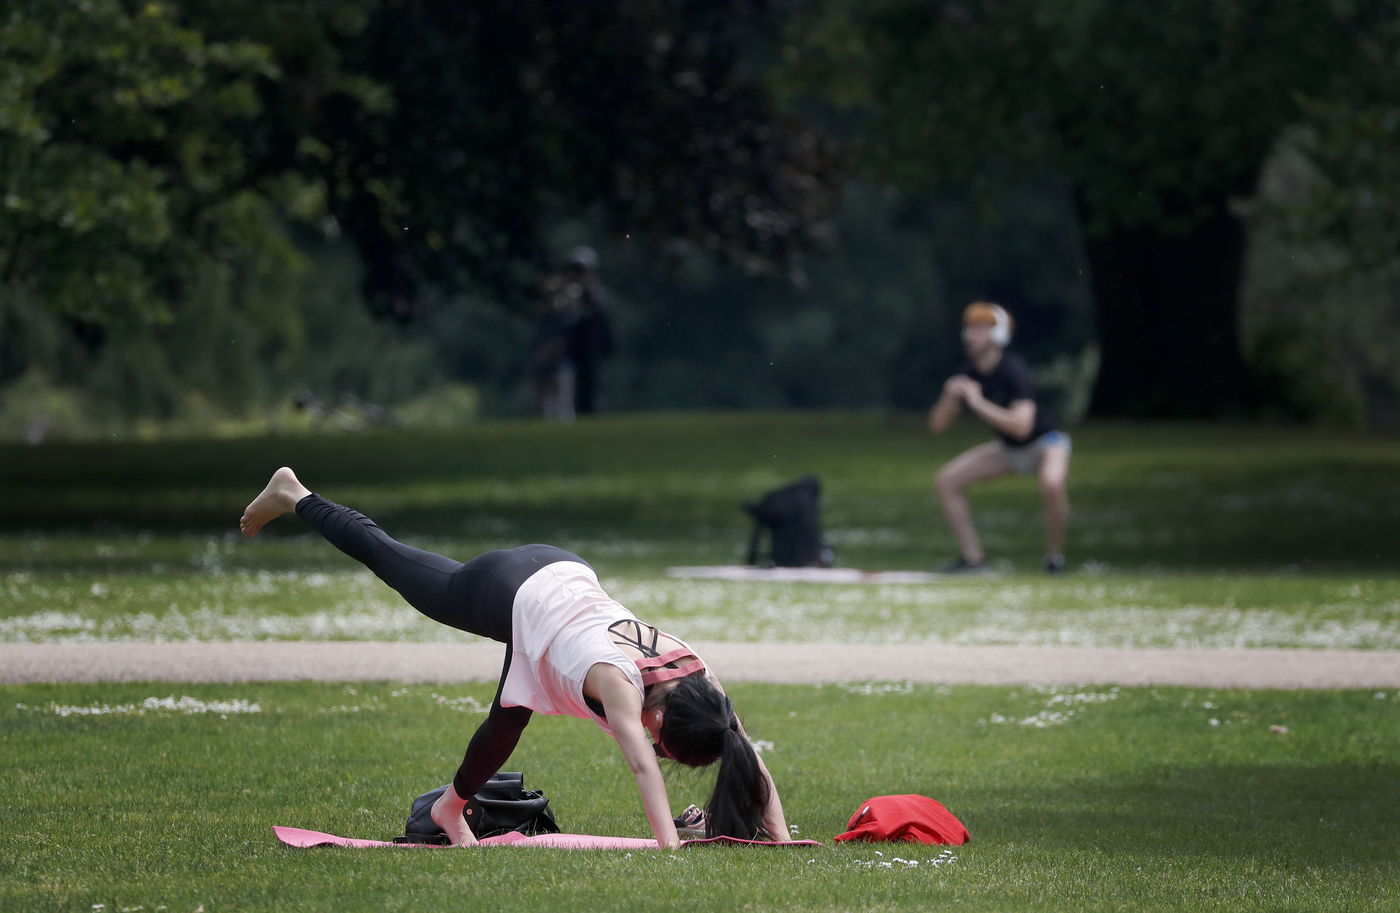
792	517
501	806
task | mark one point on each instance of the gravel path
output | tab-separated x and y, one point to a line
793	663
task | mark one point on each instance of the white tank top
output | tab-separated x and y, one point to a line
560	630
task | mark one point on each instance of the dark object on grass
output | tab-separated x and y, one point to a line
501	806
792	516
917	819
963	566
690	824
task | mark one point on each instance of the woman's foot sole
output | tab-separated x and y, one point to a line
280	496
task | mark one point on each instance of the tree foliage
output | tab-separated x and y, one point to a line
140	142
156	160
123	172
1159	115
1351	195
512	113
1321	316
146	253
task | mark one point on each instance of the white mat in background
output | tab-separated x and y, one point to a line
802	574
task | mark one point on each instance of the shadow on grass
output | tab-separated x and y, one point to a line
1151	497
1328	816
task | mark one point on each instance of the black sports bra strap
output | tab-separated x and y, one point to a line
648	651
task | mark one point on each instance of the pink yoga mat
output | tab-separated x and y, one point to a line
295	836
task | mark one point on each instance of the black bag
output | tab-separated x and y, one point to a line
792	516
502	805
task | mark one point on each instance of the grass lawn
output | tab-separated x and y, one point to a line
1164	799
1181	535
662	489
1119	610
1097	799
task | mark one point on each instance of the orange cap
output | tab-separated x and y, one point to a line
984	313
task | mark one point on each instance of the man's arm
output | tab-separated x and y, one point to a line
623	706
946	409
1016	420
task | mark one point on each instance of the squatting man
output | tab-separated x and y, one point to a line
995	385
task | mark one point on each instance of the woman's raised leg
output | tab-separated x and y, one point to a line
476	598
432	584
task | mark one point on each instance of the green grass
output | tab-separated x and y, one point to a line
1146	497
1135	801
1116	610
1181	535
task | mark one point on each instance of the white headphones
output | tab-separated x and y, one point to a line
1001	327
1001	330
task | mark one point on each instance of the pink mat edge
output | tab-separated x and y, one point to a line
306	839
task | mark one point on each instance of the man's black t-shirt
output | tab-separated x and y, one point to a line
1009	381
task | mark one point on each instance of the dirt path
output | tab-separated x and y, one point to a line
794	663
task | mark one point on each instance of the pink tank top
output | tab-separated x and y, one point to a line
561	621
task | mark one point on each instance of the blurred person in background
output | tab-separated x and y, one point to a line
995	385
551	361
590	337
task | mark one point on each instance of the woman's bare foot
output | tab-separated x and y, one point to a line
279	497
447	814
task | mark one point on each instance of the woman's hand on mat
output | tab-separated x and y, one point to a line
623	705
447	812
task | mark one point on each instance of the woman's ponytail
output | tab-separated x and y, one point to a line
699	728
741	792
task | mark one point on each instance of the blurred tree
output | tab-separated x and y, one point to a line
1321	302
511	113
1345	186
154	157
1159	115
875	325
144	244
440	135
125	173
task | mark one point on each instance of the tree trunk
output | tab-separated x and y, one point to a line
1168	321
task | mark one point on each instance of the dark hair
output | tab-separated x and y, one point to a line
699	728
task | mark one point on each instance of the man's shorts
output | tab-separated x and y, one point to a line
1025	460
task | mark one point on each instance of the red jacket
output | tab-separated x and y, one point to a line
917	819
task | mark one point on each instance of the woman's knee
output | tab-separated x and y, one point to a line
508	719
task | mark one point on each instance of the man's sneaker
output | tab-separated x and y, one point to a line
963	566
1054	564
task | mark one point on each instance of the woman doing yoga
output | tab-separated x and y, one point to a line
570	649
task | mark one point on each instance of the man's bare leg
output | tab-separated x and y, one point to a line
279	497
976	465
1054	471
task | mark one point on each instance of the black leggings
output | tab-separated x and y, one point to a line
477	597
